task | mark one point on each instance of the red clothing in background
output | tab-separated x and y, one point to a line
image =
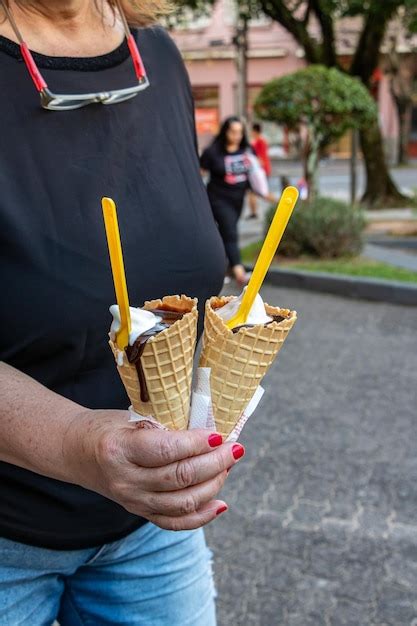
260	147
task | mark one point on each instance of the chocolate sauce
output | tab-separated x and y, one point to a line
134	353
275	318
168	315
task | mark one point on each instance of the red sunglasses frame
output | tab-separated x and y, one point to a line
49	100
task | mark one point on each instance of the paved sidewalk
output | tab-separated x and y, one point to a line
398	258
252	230
322	526
377	215
334	176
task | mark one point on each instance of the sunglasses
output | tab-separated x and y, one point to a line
66	102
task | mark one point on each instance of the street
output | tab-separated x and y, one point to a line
334	177
322	525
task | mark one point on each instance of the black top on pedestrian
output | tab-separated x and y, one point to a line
228	170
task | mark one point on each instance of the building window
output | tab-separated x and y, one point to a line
187	19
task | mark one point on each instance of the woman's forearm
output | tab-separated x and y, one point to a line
33	423
168	477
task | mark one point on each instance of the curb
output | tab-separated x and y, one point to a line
377	290
403	243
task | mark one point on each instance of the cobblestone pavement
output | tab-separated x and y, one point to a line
322	525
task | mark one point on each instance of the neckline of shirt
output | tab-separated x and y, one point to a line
84	64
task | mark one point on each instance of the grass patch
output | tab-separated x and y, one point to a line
250	252
358	266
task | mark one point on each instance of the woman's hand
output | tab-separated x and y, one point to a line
169	477
272	198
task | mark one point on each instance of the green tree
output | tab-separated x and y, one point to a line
325	101
296	15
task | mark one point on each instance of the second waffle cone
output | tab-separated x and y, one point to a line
238	361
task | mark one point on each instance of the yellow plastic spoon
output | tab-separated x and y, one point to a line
118	270
276	230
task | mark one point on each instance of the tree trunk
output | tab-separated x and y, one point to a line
403	108
381	190
311	163
380	187
241	43
401	92
353	165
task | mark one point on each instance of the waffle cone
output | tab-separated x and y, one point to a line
167	362
239	361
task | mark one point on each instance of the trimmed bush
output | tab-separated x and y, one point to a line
325	228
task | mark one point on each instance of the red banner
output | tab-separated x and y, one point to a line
207	121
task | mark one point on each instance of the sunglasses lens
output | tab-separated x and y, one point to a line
63	103
69	104
119	97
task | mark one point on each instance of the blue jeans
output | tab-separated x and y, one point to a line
153	577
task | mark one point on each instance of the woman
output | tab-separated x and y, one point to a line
227	163
78	484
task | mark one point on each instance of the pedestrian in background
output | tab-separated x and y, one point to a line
228	166
260	147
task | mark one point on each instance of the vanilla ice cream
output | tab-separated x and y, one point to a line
141	322
257	314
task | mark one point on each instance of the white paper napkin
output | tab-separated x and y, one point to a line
201	415
202	409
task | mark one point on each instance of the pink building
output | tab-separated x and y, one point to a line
207	47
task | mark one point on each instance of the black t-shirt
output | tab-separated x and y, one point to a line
55	273
228	172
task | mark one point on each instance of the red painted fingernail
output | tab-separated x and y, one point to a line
238	451
221	509
215	440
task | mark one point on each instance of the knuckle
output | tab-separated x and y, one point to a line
188	505
184	474
166	449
